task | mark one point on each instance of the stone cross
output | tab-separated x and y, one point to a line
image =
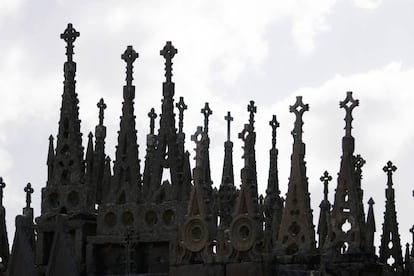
252	109
274	124
2	186
181	107
69	36
325	178
129	56
29	191
298	109
102	106
389	169
228	118
348	104
152	115
206	111
168	52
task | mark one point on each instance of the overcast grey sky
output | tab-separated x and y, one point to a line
229	52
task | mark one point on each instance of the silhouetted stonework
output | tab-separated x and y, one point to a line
99	219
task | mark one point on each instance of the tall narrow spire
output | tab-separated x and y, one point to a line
273	202
127	179
371	229
325	214
227	190
297	232
89	169
390	248
50	160
247	214
348	219
68	167
206	111
99	153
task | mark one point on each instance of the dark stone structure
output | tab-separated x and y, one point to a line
99	219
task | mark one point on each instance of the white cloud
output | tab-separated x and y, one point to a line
367	4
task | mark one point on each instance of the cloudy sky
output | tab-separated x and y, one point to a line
229	52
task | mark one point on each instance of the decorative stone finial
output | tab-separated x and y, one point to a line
389	169
371	201
274	124
181	107
325	178
152	115
348	104
69	36
252	109
228	118
102	106
206	111
2	186
168	52
298	109
129	56
29	191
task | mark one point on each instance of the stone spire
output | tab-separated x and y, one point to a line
297	232
348	219
4	242
149	157
206	111
199	227
325	214
99	153
227	190
246	229
89	168
371	228
273	203
68	167
127	179
170	152
390	249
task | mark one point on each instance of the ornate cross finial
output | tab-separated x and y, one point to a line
252	109
298	108
228	118
2	186
29	191
348	104
196	137
389	169
102	106
274	124
69	36
206	111
168	52
152	115
359	162
181	107
129	56
325	178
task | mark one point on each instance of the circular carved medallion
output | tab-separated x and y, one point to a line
242	235
195	234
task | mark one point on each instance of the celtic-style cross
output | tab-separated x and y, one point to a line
348	104
69	36
102	106
325	178
206	111
228	118
168	52
274	124
29	191
389	169
152	115
252	109
298	108
129	56
181	107
2	186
